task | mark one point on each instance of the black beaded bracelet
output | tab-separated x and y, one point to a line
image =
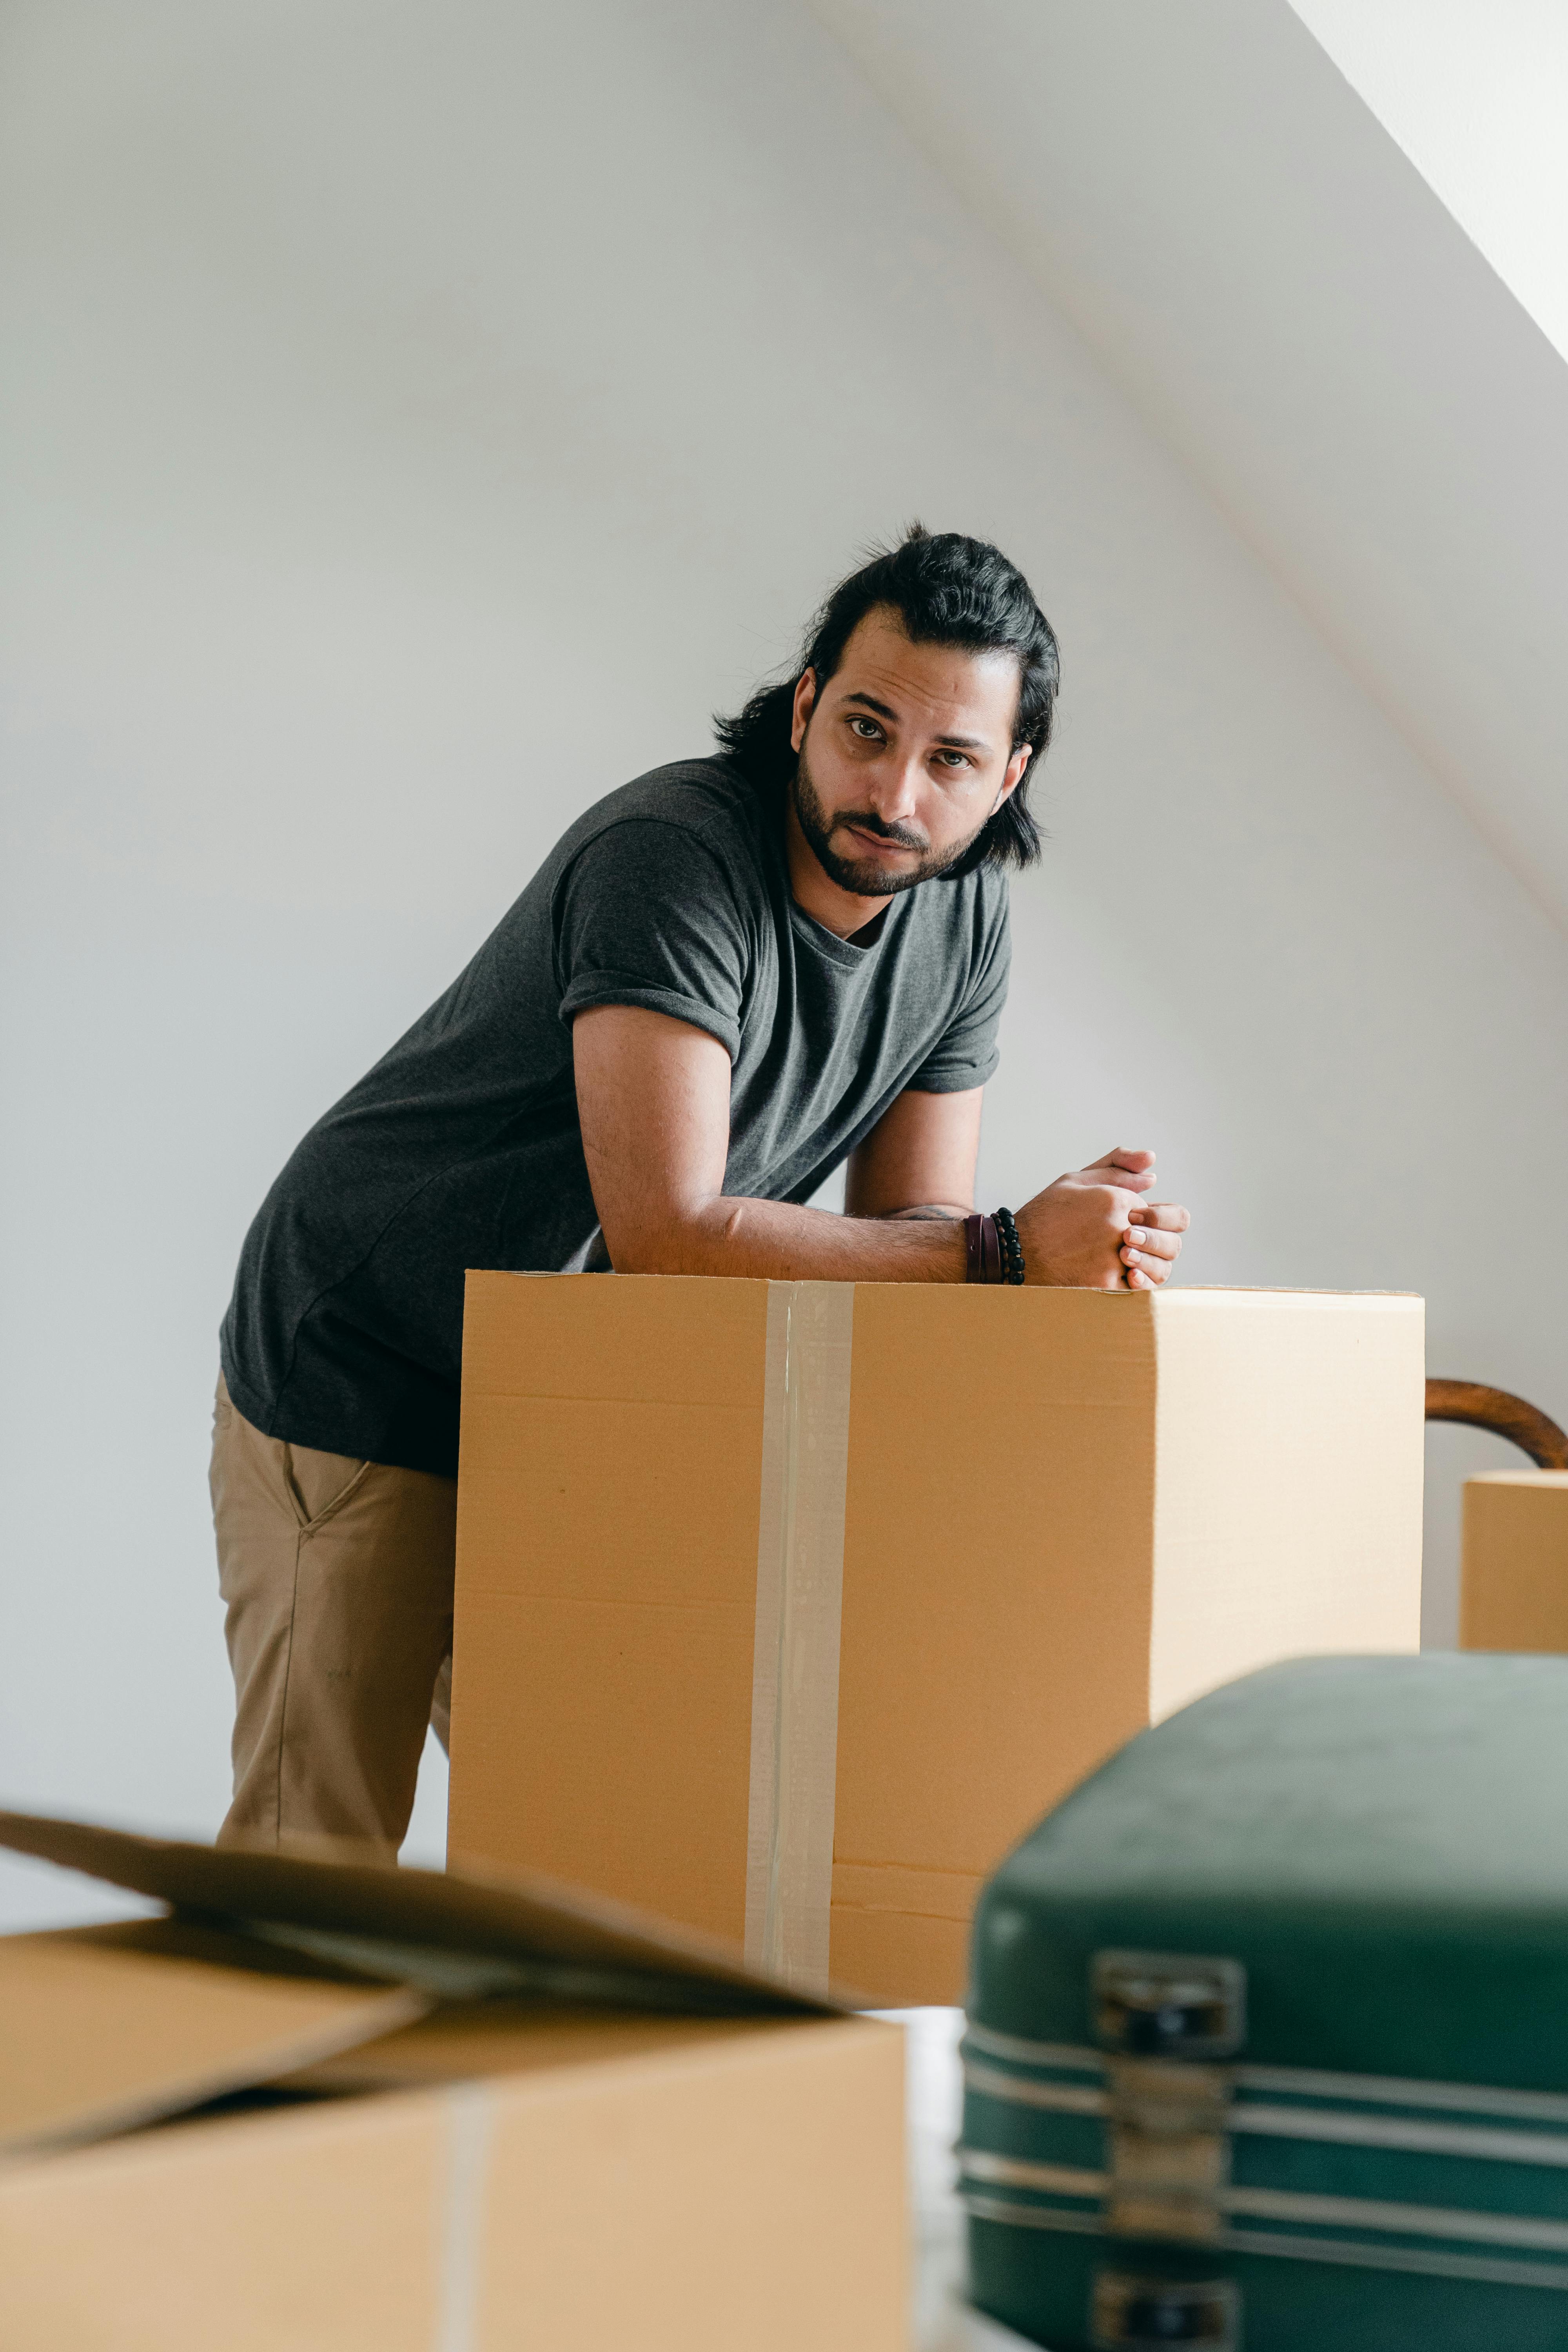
1012	1247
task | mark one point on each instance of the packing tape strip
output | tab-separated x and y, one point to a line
800	1588
470	2114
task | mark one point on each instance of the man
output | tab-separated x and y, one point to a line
726	981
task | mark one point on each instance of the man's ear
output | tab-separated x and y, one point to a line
1010	781
805	701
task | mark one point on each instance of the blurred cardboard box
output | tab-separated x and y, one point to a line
785	1609
458	2115
1513	1578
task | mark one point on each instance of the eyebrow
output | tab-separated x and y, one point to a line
952	742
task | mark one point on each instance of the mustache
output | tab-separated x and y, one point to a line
866	820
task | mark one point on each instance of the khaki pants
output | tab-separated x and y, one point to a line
338	1580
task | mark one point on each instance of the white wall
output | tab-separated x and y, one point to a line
1475	91
420	421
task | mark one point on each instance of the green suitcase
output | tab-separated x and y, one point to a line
1267	2034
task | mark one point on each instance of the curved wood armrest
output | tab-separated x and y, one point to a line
1506	1416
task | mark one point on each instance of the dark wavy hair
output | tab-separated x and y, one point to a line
947	590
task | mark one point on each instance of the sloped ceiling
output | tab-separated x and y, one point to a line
1476	92
1289	303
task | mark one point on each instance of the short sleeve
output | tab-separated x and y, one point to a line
965	1054
646	915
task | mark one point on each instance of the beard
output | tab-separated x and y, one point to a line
863	876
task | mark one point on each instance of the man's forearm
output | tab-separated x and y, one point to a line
773	1239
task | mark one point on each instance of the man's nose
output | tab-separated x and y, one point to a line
895	789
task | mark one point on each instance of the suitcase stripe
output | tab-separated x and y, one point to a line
1390	2090
1399	2221
1288	2205
1061	2098
1413	2134
1393	2131
1429	2262
1287	2081
1067	2056
1022	2173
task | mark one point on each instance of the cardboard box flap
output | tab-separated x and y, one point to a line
466	1932
105	2029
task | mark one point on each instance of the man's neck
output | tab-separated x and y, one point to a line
842	913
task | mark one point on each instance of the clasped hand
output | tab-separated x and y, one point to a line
1093	1230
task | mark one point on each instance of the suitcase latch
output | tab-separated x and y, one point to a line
1163	2019
1141	2314
1169	2005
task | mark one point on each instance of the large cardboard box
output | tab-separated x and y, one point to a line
785	1609
456	2115
1513	1587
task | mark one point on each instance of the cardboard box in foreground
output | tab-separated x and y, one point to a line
784	1609
493	2119
1513	1586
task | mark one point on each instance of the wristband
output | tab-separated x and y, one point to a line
994	1252
984	1245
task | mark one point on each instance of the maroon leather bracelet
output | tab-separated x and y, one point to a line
984	1245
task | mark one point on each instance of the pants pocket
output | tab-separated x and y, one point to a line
319	1485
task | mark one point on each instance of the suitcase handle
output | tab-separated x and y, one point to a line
1507	1416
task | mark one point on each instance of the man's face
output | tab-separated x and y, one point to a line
903	755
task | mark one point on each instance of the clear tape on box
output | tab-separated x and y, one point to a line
800	1587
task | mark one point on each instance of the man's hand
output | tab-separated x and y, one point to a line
1092	1230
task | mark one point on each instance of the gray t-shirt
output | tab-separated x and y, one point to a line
461	1147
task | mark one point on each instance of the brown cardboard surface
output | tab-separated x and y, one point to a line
492	2175
1513	1592
318	2230
757	2193
633	1575
1001	1472
102	2029
1066	1512
924	1951
1290	1432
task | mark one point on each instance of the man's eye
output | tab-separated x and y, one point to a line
954	759
868	730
